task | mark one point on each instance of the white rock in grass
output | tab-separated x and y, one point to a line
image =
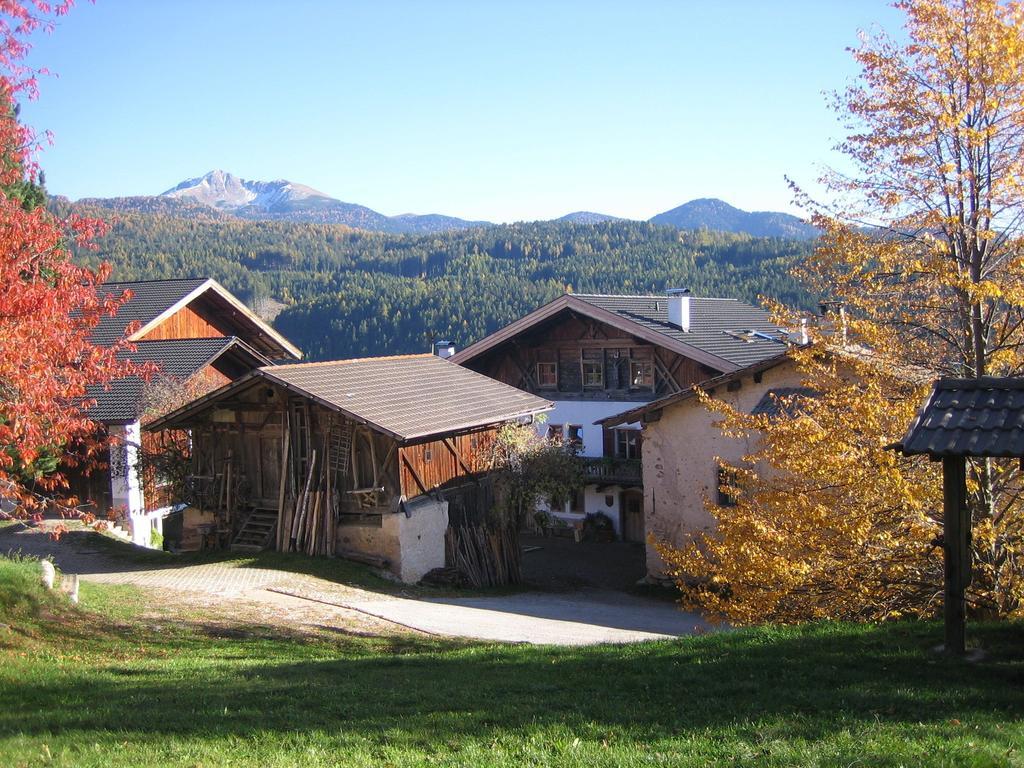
49	573
70	585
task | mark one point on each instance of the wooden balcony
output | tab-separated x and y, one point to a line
610	471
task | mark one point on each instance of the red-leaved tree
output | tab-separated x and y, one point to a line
48	305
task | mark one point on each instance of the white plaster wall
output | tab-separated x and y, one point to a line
585	413
125	483
594	501
413	545
420	537
681	456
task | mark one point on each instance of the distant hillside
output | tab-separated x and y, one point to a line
587	217
353	293
719	216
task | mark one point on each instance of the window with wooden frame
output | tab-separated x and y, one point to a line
555	432
641	374
641	369
726	483
627	443
547	374
574	436
592	364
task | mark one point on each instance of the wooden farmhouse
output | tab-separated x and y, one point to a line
199	336
359	458
597	356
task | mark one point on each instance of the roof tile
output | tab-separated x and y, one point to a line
714	325
970	417
409	396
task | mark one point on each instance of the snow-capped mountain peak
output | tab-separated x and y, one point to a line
220	189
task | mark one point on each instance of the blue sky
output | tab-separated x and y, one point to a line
489	110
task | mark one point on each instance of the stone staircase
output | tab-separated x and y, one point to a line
256	532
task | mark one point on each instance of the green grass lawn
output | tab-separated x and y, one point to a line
98	686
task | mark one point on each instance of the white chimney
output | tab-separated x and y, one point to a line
444	349
679	308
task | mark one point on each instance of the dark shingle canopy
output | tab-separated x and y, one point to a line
969	417
180	359
408	397
150	298
781	401
730	329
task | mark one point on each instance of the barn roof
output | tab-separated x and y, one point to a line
153	301
969	417
121	401
407	397
725	334
149	300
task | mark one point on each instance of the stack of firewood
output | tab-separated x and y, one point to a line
486	557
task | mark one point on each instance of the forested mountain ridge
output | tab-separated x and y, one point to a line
219	193
349	292
717	215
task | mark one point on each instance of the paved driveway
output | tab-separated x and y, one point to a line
575	618
582	617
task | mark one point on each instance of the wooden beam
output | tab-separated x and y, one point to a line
385	465
458	456
414	473
524	371
956	526
666	376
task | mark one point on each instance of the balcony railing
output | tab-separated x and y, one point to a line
613	471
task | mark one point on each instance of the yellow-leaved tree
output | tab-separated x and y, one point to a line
922	247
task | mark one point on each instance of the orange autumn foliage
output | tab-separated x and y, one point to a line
50	305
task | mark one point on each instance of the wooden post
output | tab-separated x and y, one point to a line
956	526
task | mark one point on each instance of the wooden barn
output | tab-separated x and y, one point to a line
351	457
199	336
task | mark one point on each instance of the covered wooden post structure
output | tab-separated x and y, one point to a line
964	418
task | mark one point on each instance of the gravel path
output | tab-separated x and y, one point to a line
580	617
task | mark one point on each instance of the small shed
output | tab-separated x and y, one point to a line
349	457
961	419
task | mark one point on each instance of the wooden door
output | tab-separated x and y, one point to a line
269	480
632	516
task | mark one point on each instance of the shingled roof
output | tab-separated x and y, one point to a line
730	329
407	397
969	417
150	299
725	334
154	300
782	401
180	359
